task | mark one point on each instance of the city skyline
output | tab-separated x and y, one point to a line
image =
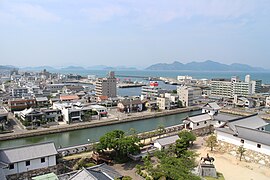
134	33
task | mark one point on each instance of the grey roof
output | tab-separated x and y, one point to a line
252	122
2	174
225	130
40	99
107	170
83	174
167	140
212	105
225	117
98	172
262	137
199	118
28	152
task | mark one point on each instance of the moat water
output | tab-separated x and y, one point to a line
83	136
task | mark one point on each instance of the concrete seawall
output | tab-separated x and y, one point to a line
85	125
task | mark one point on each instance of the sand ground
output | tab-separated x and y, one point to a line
231	167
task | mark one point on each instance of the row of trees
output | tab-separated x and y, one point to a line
176	162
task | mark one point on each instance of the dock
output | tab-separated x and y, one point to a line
125	85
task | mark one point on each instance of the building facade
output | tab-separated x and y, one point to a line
234	86
106	86
187	94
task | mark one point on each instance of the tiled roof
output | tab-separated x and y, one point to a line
167	140
200	118
28	152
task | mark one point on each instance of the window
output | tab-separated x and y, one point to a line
259	145
27	163
242	141
205	122
219	122
42	160
11	166
198	124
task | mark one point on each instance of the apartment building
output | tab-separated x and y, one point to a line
21	104
152	91
19	92
106	86
234	86
187	94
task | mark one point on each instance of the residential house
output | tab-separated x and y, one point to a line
52	115
102	98
26	158
30	115
42	101
243	102
21	104
101	110
67	98
130	105
163	103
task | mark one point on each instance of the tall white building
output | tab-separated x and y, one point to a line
234	86
106	86
187	95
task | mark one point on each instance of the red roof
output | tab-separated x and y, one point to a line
68	97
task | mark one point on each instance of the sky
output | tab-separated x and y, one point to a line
134	33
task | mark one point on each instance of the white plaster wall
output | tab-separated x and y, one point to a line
157	145
201	125
247	144
34	164
253	146
228	138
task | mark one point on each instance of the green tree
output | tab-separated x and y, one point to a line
179	104
87	115
241	151
211	141
171	167
118	142
187	136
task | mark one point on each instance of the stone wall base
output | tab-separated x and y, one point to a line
249	155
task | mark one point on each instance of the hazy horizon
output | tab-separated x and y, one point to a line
134	33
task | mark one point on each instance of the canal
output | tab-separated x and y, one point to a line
83	136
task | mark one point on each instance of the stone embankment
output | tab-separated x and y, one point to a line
249	155
85	125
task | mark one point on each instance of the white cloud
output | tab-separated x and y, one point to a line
100	14
34	12
24	11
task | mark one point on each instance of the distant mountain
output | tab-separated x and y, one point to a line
38	68
6	67
204	66
98	67
102	67
73	68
